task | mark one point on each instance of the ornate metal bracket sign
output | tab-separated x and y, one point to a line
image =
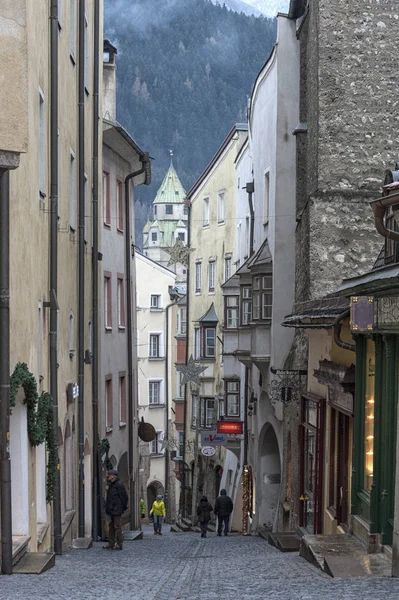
287	385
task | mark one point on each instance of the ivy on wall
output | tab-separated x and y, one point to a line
40	420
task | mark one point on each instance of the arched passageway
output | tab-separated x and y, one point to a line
269	476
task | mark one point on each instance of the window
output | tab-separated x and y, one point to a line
207	413
155	211
169	209
154	236
42	147
87	54
72	31
120	205
154	345
266	199
182	321
181	236
198	277
227	267
156	445
221	207
197	343
106	199
209	342
154	392
221	408
194	409
180	385
211	275
122	399
185	210
71	335
267	296
232	398
72	192
155	301
180	444
205	212
121	301
246	316
108	403
231	315
256	298
107	301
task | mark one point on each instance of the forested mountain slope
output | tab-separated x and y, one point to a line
185	69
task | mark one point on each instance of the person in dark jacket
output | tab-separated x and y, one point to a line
223	509
115	505
204	510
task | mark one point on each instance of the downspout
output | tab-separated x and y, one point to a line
81	270
250	188
53	334
144	160
183	478
97	528
5	462
167	406
337	331
379	209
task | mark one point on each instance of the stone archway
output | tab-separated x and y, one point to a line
270	477
19	450
153	489
88	489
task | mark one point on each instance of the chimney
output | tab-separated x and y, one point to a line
109	81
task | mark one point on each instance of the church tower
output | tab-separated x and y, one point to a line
170	222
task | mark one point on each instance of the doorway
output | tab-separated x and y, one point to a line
270	476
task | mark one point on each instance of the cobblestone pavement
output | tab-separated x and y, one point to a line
184	566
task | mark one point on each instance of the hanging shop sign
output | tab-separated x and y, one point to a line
213	438
362	313
208	450
235	427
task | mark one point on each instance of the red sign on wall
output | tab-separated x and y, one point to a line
234	427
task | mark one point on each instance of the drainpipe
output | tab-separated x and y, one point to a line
81	270
145	159
97	528
250	188
183	478
379	209
167	405
337	331
5	462
53	334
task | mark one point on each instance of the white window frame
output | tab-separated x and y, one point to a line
152	335
205	211
207	346
197	343
155	384
155	301
156	445
120	292
232	391
228	261
232	312
212	276
182	321
198	277
207	413
221	207
180	385
194	410
246	314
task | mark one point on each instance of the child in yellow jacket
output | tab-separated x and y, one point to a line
158	511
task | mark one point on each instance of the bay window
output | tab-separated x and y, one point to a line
231	312
232	399
246	316
209	342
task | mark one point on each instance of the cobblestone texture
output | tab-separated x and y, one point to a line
184	566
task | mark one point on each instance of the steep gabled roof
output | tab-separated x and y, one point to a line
210	316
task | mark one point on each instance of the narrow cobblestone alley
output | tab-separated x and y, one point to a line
184	566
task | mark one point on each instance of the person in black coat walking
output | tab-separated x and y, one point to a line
204	510
115	505
223	509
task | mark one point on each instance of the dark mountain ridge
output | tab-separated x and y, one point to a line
185	69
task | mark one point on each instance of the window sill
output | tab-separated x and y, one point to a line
221	223
154	309
122	327
160	405
72	58
122	424
207	359
156	358
198	292
120	231
211	292
108	330
107	225
109	429
87	91
157	455
205	226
